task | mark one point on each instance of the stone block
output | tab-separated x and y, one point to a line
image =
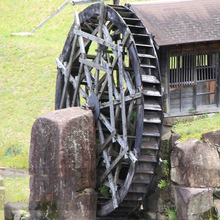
173	139
62	161
151	216
81	207
217	206
212	137
191	203
12	210
195	164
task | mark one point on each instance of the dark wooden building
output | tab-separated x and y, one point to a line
187	36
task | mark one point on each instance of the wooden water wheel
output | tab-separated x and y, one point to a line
109	64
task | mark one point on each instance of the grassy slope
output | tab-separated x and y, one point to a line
27	70
196	127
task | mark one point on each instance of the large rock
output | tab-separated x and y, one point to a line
62	164
217	206
191	203
195	164
212	137
14	210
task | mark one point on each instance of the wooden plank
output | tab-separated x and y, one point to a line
68	70
92	64
118	138
130	110
112	166
118	102
96	39
110	176
150	79
127	77
85	43
100	49
151	91
83	52
123	109
110	93
71	79
101	91
106	142
116	94
77	84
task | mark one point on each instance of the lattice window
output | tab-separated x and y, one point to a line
183	68
206	68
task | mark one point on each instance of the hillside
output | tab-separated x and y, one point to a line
28	72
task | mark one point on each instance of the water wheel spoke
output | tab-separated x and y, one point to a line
92	65
86	43
105	144
112	166
110	93
95	39
72	80
107	163
67	72
119	139
118	102
76	91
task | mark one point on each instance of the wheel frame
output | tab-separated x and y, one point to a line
112	16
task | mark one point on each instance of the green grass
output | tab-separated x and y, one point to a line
196	127
28	70
17	189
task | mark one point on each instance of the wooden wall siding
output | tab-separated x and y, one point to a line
203	47
190	75
181	99
206	92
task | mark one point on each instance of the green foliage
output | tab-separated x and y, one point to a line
49	210
105	190
192	111
162	184
166	169
195	128
171	214
210	214
17	189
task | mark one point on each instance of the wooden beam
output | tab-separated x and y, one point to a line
112	166
71	79
107	164
92	64
118	101
67	75
110	95
118	137
77	84
106	142
96	39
